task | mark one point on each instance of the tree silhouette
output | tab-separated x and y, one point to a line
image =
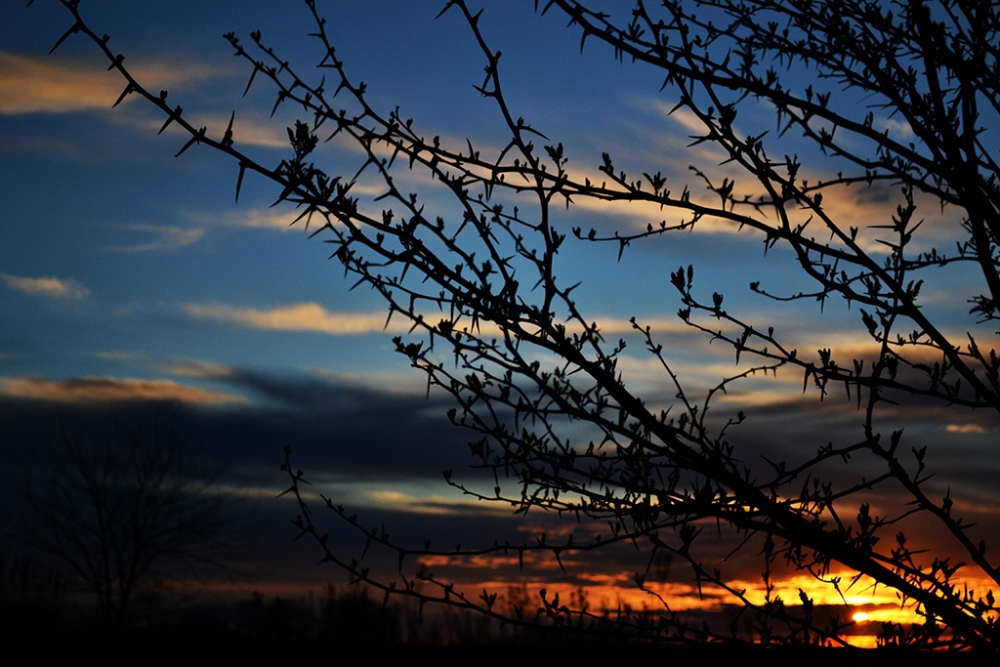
126	510
494	327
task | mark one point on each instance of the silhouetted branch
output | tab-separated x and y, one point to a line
488	275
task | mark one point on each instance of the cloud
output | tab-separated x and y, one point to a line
197	368
111	390
864	208
348	432
125	357
165	238
684	117
299	317
390	382
263	219
28	85
618	326
32	85
314	317
434	504
266	218
252	131
898	129
276	219
965	428
46	286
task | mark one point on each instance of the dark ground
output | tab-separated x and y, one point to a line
189	647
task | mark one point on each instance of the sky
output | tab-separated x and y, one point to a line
131	281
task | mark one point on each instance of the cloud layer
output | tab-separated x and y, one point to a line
111	390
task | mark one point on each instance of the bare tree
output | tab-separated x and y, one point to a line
482	285
126	510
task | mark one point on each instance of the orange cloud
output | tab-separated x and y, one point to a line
860	207
299	317
111	390
965	428
251	131
35	86
30	85
47	286
313	317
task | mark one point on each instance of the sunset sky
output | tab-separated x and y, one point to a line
131	278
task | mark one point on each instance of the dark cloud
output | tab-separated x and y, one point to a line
335	430
331	426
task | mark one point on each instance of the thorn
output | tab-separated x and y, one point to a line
76	28
239	179
129	89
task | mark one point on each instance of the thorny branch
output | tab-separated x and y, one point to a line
488	268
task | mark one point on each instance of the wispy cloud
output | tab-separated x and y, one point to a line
898	129
197	368
249	129
28	85
314	317
165	237
280	219
434	504
965	428
111	390
258	218
390	383
298	317
46	286
684	117
864	208
33	85
121	356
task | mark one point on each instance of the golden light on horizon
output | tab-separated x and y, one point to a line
859	617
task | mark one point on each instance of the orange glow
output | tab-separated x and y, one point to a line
106	390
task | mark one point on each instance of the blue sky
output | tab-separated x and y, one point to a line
130	277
